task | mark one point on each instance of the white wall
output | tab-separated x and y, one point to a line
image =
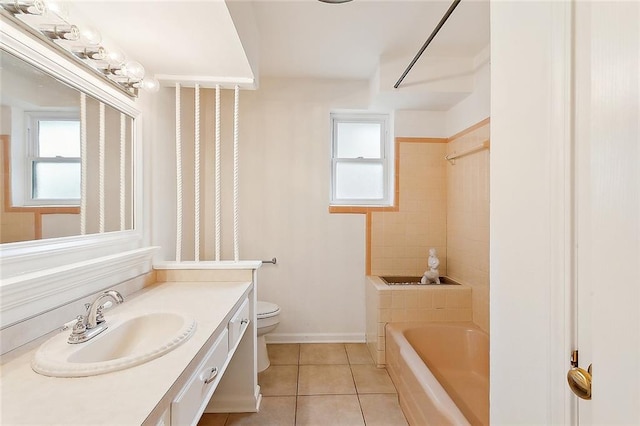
284	193
525	388
475	107
420	124
443	124
319	279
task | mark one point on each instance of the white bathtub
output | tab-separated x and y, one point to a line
441	371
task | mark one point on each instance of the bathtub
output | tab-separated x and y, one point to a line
441	371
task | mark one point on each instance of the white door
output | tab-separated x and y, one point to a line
607	195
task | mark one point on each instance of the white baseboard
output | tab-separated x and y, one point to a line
238	405
315	338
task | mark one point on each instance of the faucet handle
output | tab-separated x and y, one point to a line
100	311
79	326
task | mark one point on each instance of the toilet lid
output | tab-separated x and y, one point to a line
267	309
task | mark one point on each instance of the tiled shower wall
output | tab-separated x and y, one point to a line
468	219
400	240
443	206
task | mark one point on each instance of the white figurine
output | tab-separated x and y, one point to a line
432	275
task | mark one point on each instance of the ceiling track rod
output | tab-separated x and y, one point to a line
426	43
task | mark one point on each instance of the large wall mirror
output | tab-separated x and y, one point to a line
71	223
46	193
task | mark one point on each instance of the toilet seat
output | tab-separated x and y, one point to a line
266	309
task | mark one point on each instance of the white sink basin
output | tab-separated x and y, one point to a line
126	343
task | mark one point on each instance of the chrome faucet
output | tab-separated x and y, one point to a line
93	323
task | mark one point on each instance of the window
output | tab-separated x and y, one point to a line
53	160
360	160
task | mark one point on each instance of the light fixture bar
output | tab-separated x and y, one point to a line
28	7
81	44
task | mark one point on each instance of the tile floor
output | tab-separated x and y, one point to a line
320	384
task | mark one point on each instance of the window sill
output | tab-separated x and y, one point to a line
361	209
60	209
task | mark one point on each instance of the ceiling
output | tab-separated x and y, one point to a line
291	38
311	38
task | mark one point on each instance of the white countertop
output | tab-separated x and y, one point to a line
121	397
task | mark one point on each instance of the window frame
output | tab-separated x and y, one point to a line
32	121
386	154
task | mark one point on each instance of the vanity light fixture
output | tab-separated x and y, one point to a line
95	53
82	43
29	7
61	32
335	1
90	36
147	84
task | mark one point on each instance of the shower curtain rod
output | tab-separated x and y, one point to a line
429	40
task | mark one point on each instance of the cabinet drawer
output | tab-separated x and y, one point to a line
238	323
190	402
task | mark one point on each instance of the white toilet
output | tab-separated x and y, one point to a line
268	315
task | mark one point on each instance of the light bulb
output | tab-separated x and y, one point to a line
59	9
151	85
115	58
90	36
133	70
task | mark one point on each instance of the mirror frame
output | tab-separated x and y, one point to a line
42	274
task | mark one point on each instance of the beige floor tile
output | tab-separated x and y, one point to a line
213	419
274	411
325	380
333	410
284	354
323	353
382	410
358	353
370	379
279	380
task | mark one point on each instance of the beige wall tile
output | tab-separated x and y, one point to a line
425	299
399	315
385	315
439	298
398	299
385	300
468	221
422	185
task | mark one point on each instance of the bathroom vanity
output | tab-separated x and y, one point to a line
44	282
176	388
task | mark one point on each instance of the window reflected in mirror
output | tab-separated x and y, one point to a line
48	191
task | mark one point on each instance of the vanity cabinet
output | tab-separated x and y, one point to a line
188	406
238	324
214	370
190	403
